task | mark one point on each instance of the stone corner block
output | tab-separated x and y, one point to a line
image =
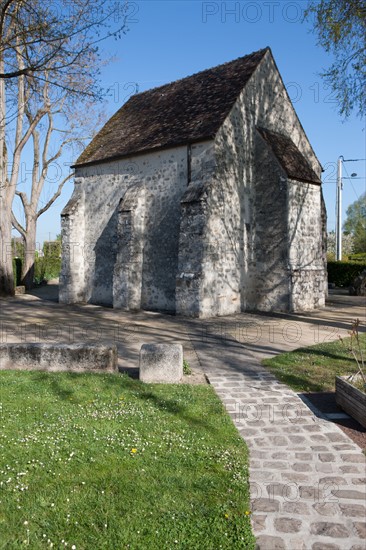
161	363
19	290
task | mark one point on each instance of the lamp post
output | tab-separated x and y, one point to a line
341	159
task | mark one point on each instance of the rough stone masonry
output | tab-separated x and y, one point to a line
201	197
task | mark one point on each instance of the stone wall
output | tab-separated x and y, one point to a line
128	268
206	229
208	281
194	213
122	225
306	261
72	276
262	208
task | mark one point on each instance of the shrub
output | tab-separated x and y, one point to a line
17	271
344	273
46	268
52	249
52	268
186	368
39	269
361	257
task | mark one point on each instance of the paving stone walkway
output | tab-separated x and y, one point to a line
308	482
307	477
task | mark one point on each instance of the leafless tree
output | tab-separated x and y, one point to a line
49	77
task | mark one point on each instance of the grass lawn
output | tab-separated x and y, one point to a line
92	461
314	368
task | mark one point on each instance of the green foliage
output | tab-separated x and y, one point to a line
17	270
186	368
104	461
357	257
355	223
347	245
17	247
52	249
46	268
344	273
340	29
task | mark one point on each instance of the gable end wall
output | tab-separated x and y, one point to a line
268	217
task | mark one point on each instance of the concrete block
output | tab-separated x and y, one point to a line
161	363
59	357
19	290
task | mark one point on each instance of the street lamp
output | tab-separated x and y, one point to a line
339	204
339	210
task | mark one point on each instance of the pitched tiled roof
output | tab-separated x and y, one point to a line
292	161
185	111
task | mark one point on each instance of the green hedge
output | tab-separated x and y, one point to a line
52	249
344	273
17	271
46	268
361	257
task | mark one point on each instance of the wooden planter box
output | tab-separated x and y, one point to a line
352	400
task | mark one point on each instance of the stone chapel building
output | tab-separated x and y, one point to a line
201	197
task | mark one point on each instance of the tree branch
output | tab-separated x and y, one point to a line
17	225
23	198
54	197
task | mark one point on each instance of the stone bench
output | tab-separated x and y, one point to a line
59	357
161	363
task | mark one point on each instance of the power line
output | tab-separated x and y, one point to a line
352	160
349	177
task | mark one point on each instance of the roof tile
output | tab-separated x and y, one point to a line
291	159
185	111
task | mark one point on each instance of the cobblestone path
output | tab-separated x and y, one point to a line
307	477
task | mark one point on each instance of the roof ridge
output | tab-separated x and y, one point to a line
262	50
183	111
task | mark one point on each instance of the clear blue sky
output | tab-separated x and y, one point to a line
172	39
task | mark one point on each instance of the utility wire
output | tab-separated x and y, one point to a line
349	177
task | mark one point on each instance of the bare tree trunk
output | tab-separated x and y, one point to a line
40	58
6	260
41	163
29	254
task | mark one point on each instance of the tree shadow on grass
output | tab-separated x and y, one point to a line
298	382
62	389
55	383
171	406
320	352
145	392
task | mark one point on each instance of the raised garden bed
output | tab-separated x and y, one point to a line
351	399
